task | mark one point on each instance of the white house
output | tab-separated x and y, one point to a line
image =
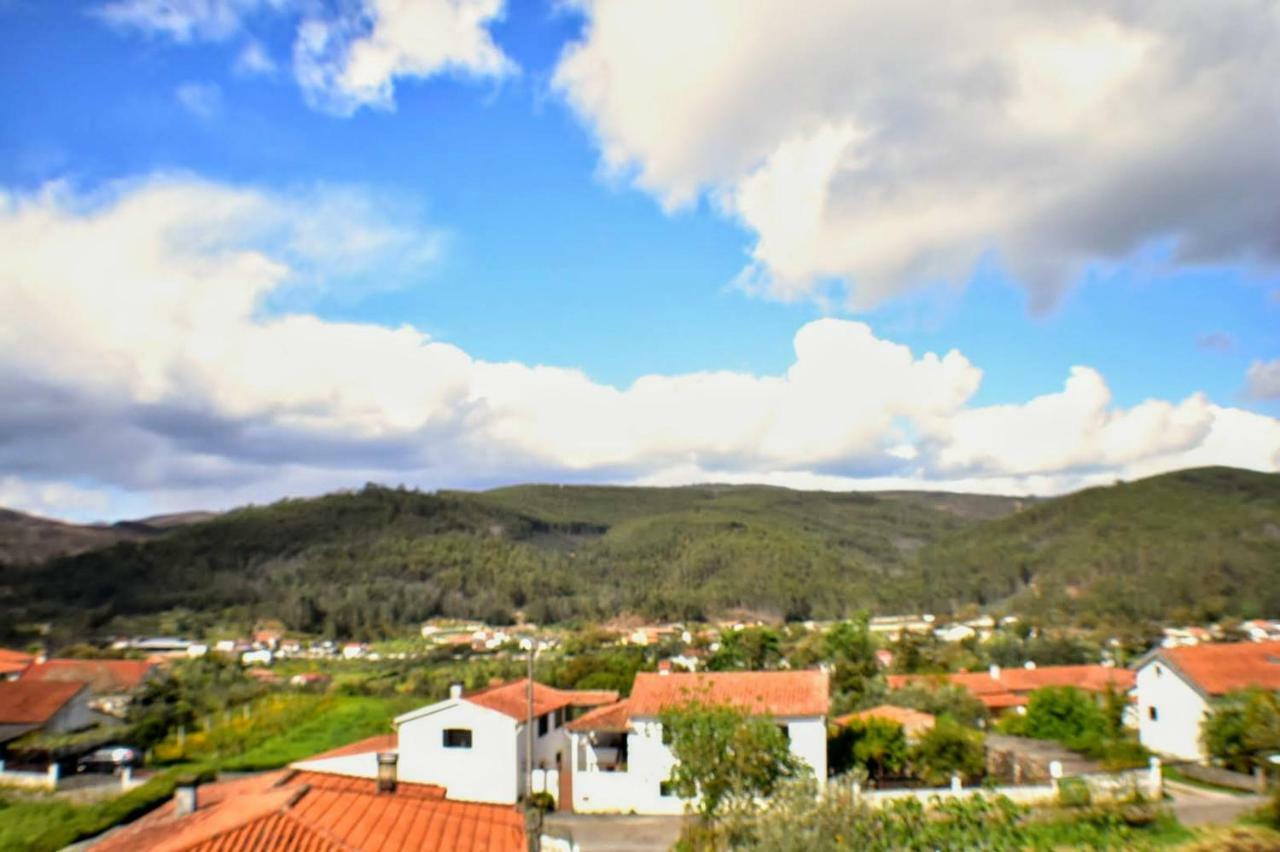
474	745
1176	687
620	763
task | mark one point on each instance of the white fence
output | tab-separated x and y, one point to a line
47	780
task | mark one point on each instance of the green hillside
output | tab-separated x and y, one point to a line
1191	544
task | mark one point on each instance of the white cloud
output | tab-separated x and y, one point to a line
140	354
1264	379
885	144
185	20
203	100
344	63
253	60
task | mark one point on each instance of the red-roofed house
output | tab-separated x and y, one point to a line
110	682
14	663
57	708
294	811
620	762
1176	688
474	745
1001	689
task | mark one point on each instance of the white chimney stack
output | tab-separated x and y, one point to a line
455	690
185	799
994	671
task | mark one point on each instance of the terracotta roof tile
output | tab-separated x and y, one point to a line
912	721
314	812
611	717
104	677
1011	687
799	693
372	745
1221	668
33	702
512	699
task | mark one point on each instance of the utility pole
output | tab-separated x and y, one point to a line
533	815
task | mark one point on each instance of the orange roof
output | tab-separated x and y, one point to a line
912	721
103	676
372	745
1010	687
800	693
611	717
32	702
512	699
14	662
1218	669
297	811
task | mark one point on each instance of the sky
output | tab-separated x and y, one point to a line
252	249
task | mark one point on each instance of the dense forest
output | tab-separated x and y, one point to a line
1193	544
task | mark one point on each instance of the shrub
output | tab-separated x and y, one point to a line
945	750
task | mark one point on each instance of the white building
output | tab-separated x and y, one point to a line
620	763
1176	688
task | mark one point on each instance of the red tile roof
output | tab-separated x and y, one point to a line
312	812
105	677
14	662
1012	687
372	745
512	699
1221	668
912	721
800	693
611	717
32	702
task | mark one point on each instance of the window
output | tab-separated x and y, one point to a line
542	724
457	738
1153	714
1159	671
665	789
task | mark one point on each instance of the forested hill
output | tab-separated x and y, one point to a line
365	563
1194	545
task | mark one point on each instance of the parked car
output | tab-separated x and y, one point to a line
110	758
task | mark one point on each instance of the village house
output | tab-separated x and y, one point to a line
292	809
111	683
54	708
1001	690
620	762
1176	688
14	663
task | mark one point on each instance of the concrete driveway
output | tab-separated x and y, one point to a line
1200	806
618	833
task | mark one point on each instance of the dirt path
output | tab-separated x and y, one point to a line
620	833
1201	806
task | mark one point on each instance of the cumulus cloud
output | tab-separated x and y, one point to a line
203	100
185	20
882	145
253	60
142	355
1264	379
352	61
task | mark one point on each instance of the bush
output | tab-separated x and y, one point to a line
945	750
1074	793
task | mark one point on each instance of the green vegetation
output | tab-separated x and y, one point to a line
1243	728
878	746
1076	719
1198	545
726	759
947	749
797	820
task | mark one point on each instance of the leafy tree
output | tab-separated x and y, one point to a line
942	699
1064	714
879	745
855	675
748	649
1243	726
724	757
947	749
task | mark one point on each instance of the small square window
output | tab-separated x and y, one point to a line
1153	714
666	789
457	738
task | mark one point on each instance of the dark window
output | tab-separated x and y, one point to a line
786	732
1159	671
1153	714
457	738
665	788
543	724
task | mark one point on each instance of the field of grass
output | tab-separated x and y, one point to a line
343	719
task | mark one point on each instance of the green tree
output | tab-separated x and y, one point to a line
855	675
880	745
947	749
725	757
1064	714
1243	726
942	699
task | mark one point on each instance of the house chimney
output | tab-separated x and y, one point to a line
664	667
185	799
994	671
455	690
387	771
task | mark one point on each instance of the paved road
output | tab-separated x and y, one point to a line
609	833
1200	806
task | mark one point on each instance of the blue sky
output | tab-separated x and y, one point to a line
545	253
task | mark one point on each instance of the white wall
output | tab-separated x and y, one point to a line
1180	709
487	772
649	764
